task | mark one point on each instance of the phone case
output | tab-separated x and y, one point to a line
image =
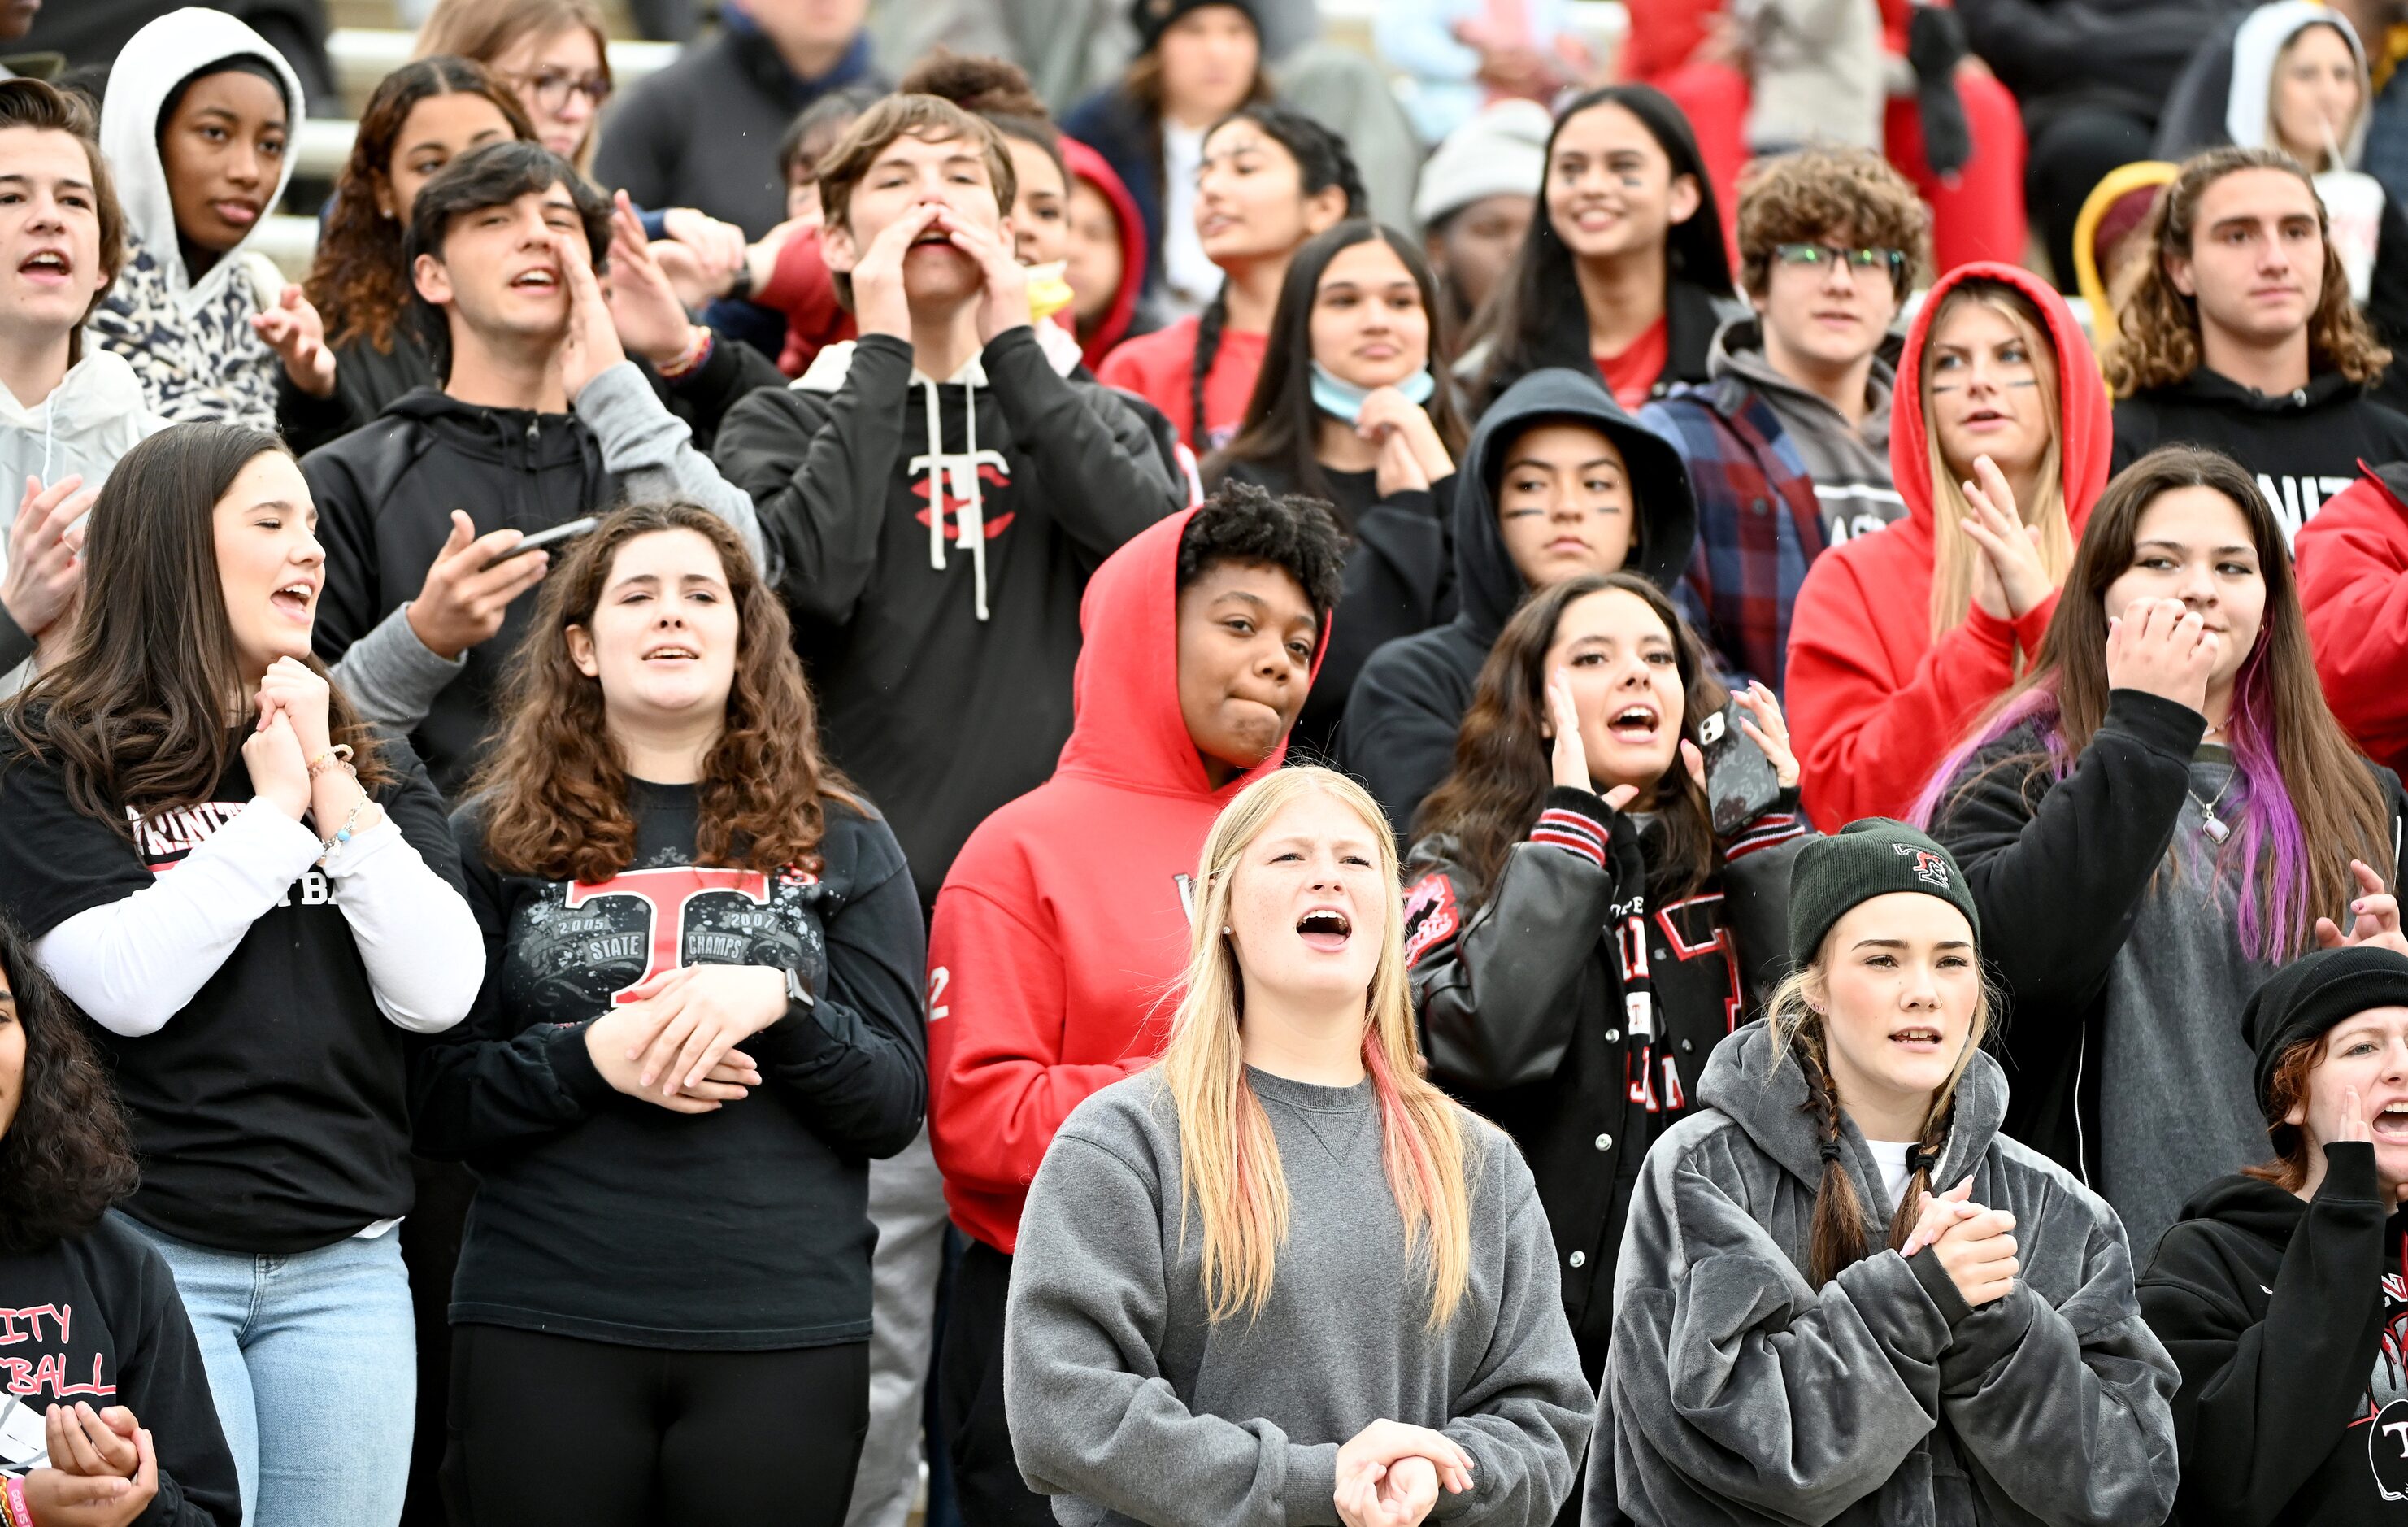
1741	783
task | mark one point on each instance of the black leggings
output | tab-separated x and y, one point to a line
550	1430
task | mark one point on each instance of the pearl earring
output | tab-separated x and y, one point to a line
1225	930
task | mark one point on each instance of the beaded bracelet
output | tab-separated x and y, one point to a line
329	848
13	1506
340	753
698	348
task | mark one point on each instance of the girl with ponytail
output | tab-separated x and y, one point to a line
1804	1330
1270	179
1279	1273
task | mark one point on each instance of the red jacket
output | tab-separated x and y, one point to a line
1160	368
1874	703
1110	329
1062	929
2354	585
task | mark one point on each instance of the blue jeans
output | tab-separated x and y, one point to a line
312	1362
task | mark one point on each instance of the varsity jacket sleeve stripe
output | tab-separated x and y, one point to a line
1494	992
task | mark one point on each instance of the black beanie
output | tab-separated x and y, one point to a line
1153	18
2305	999
1862	860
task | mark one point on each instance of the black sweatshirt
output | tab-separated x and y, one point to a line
940	715
96	1318
606	1217
1525	997
1409	700
2302	447
2060	869
1399	580
2287	1320
271	1114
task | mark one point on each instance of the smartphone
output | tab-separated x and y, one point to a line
541	539
1741	783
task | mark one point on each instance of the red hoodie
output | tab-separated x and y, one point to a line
1874	703
1091	168
2354	585
1061	933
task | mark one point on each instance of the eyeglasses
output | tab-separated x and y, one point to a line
1855	261
551	88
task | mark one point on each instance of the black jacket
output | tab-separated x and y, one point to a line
2122	54
941	654
1398	737
1524	995
2058	869
2305	447
1693	315
1399	581
2287	1320
95	1317
368	381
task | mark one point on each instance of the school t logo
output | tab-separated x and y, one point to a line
1928	866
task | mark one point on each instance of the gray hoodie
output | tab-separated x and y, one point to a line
1849	466
1127	1405
1737	1392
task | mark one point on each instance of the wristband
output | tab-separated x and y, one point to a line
12	1503
340	753
699	346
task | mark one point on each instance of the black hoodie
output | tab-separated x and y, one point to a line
2303	447
942	653
2287	1320
1398	736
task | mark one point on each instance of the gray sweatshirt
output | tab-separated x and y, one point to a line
1127	1405
1849	466
1738	1393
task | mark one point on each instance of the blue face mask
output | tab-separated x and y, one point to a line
1344	400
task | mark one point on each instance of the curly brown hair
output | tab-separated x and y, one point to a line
359	282
554	788
141	711
65	1156
1503	765
1845	195
2156	341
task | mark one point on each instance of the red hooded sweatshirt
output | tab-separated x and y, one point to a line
1874	703
2354	585
1061	933
1091	168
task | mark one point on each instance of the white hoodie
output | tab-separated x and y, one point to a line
2352	199
190	342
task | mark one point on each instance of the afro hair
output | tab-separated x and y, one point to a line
1243	523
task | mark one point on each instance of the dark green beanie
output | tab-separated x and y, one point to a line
1862	860
2305	999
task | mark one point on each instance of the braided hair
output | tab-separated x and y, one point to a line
1836	1237
1320	162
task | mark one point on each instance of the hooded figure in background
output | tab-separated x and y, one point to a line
1408	703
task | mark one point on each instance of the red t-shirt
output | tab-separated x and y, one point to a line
1631	376
1157	366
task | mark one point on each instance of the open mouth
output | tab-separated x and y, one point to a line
1634	724
47	265
2392	1122
541	278
294	600
1325	928
1985	418
672	654
1917	1039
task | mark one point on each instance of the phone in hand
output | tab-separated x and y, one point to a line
541	539
1741	782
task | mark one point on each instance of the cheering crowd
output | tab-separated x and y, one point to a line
1529	797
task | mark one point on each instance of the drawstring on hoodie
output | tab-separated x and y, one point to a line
972	517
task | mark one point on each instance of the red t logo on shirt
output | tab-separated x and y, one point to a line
666	895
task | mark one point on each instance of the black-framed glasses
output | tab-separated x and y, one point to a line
551	88
1821	257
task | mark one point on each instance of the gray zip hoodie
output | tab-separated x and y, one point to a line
1737	1392
1127	1404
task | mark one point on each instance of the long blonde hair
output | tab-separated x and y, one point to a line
1954	552
1837	1237
1229	1161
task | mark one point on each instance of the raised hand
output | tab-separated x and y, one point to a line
878	303
644	305
1570	759
718	247
2160	648
1769	729
1979	1256
1387	414
1398	469
279	771
295	331
1939	1211
294	689
2010	563
2375	916
1004	303
44	571
591	346
466	591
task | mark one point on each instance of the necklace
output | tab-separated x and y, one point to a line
2213	826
